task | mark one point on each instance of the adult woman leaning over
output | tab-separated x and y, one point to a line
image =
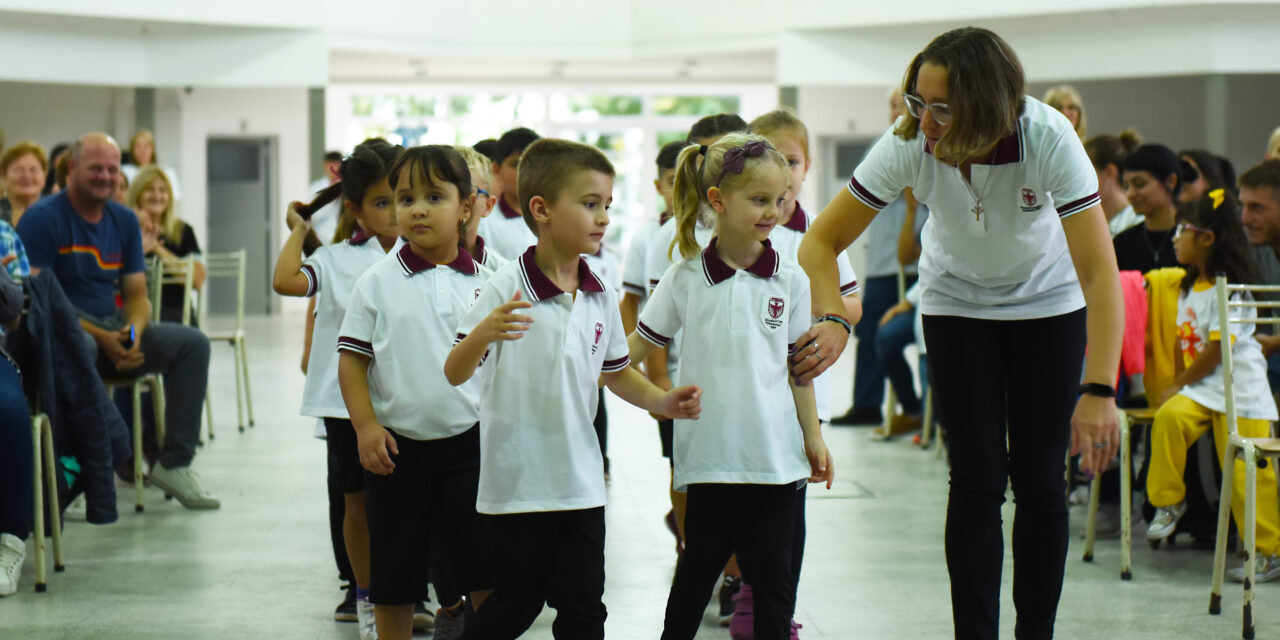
1015	248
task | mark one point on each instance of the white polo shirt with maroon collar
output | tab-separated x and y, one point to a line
403	314
538	448
739	329
786	240
506	231
331	273
1009	261
635	280
487	257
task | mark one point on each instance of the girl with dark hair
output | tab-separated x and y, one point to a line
1210	241
329	274
1207	173
1153	177
1014	250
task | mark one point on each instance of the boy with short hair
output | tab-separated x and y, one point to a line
544	330
507	233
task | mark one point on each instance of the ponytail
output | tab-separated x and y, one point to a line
686	198
326	195
367	164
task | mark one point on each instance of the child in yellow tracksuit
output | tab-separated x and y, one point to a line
1208	240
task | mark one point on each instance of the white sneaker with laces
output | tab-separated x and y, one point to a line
184	485
77	509
12	552
1266	569
364	616
1165	521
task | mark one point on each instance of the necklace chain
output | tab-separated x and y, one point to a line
1155	251
976	195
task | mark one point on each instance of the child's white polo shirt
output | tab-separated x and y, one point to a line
786	241
487	257
402	314
635	280
538	449
740	328
331	273
506	231
1011	262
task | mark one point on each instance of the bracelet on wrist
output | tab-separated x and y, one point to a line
838	319
1097	389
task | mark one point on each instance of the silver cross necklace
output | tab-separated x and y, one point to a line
977	208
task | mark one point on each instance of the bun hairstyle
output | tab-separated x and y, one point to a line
746	154
1219	211
367	164
1108	149
1161	162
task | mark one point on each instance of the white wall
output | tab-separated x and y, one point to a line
53	113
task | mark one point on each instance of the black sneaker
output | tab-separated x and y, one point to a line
346	612
728	589
862	416
423	618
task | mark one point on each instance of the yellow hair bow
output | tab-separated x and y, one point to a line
1217	195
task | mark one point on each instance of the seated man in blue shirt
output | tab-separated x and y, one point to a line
92	245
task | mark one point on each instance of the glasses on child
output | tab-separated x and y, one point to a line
481	192
1183	227
940	111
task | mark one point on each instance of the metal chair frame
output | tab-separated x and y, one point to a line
46	471
231	265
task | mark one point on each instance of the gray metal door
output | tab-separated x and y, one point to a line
241	174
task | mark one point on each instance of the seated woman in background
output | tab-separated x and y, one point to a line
22	167
164	234
1107	153
142	154
1066	99
1153	177
1210	172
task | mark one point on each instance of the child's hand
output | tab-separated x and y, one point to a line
662	382
1168	393
684	403
292	218
822	468
503	324
374	442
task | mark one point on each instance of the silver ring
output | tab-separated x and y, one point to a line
1101	445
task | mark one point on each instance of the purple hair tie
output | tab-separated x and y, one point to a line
735	159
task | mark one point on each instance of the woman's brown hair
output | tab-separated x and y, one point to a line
985	90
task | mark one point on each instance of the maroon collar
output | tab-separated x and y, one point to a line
542	288
480	254
359	237
717	270
507	211
799	220
413	264
662	219
1008	150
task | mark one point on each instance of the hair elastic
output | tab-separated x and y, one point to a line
702	150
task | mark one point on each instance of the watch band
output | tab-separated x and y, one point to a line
1097	389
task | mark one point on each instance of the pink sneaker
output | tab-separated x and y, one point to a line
742	627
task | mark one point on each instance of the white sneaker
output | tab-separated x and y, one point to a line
1266	569
184	485
364	616
12	552
1165	521
77	509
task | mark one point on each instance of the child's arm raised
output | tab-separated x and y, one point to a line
501	324
374	440
821	466
288	279
629	384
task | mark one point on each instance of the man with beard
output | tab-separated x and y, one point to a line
93	246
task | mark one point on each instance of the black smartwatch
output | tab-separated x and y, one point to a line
1096	389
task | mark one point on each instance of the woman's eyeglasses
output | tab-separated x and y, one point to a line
940	111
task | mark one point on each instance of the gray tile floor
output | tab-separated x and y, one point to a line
262	566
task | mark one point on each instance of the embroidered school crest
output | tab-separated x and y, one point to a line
1029	201
477	294
599	334
772	313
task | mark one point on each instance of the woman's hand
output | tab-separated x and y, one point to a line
817	350
1095	432
894	311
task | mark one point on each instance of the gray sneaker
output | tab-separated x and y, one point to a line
1165	521
12	552
183	483
1266	569
450	624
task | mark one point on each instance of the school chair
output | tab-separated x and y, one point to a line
182	274
46	471
1129	418
230	265
1253	451
153	383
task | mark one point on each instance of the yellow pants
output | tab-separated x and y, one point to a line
1178	424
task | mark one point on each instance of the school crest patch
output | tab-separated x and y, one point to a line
773	312
599	334
1030	202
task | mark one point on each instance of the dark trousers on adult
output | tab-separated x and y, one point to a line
16	462
181	355
759	522
1007	389
878	294
548	557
